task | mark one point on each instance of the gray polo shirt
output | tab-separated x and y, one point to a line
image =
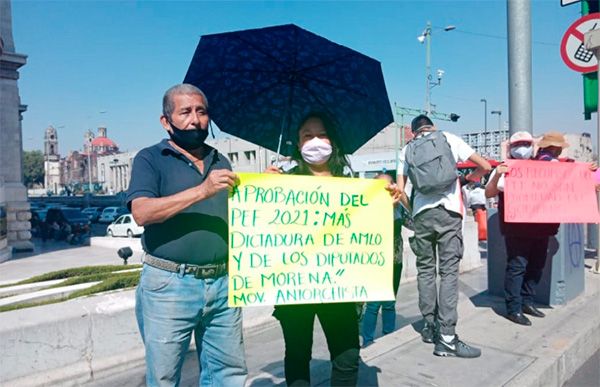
198	234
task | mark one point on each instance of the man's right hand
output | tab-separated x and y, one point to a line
218	180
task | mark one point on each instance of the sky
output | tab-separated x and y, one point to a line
108	63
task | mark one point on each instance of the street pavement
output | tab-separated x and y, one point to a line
512	355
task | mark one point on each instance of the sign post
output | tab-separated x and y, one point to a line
578	58
572	47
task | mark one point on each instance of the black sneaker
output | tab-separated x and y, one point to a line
428	333
455	348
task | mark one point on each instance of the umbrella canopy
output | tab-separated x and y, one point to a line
260	83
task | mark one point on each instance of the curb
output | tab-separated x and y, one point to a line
573	343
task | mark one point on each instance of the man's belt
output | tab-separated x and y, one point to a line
200	272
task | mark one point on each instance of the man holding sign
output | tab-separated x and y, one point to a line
178	192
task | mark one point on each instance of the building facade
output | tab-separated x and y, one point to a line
114	172
488	144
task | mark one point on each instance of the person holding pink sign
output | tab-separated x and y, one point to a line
526	243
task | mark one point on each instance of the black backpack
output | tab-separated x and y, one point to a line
431	164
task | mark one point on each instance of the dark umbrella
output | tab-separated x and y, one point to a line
260	83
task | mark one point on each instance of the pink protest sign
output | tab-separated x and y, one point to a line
550	192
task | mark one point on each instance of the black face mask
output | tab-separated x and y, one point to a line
188	139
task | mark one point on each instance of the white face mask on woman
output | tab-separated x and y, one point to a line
522	152
316	151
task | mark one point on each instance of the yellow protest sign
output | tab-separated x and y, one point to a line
306	239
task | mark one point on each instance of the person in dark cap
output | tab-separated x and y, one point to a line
429	161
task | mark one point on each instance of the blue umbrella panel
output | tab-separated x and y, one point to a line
261	83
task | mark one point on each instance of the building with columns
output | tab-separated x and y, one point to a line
15	229
114	171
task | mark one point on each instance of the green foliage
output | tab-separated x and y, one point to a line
76	272
93	278
117	281
33	168
109	281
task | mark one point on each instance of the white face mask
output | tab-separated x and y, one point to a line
521	152
316	151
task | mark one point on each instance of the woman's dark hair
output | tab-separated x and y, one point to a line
338	162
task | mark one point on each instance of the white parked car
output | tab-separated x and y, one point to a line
125	225
110	214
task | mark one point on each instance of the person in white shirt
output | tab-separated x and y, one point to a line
437	224
476	198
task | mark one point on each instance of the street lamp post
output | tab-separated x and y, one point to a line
90	163
499	113
425	37
485	141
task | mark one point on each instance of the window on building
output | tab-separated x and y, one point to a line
250	156
233	157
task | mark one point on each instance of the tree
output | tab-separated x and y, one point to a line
33	168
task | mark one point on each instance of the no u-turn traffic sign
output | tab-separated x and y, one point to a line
572	48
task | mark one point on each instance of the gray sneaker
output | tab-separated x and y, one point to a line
428	334
455	348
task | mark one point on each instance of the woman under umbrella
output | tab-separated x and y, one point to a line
319	154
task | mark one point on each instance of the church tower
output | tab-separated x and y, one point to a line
51	161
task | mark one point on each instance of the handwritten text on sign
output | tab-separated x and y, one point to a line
550	192
306	240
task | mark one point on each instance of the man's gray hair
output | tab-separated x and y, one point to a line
183	88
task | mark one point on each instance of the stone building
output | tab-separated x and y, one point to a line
52	178
79	169
14	208
114	171
243	155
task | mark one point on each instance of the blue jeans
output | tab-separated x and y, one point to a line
388	312
169	308
526	258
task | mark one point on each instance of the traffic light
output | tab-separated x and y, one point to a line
454	117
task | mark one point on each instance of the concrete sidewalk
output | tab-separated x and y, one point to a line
87	330
52	256
544	354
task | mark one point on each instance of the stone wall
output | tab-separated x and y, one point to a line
11	144
5	251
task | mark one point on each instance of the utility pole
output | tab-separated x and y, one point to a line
519	65
427	35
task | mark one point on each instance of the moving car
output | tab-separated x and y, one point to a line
109	214
93	213
125	225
